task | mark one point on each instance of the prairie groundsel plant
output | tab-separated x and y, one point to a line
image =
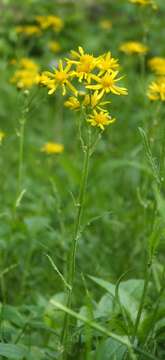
89	80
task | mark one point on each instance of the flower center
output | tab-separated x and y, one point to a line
106	82
61	76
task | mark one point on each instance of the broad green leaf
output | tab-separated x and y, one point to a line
11	351
129	293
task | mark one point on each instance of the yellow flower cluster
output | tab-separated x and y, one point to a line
52	148
133	47
156	90
43	23
145	3
50	21
29	30
157	65
97	76
26	75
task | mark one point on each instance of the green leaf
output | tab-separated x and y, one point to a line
129	293
109	349
11	351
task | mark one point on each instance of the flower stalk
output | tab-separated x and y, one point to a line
76	235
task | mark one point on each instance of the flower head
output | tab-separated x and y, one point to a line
107	84
72	103
157	65
50	21
156	90
60	78
52	148
134	47
27	74
85	64
29	30
145	3
54	46
100	119
107	63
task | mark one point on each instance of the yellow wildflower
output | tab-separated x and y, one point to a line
107	63
105	24
50	21
24	79
54	46
60	78
85	64
134	47
145	3
107	84
28	64
29	30
157	64
2	135
72	103
27	74
100	119
156	90
52	148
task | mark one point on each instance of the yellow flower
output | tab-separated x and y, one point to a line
144	3
85	64
55	22
2	135
72	103
28	64
107	63
157	64
52	148
27	74
28	30
100	119
156	90
133	47
60	78
54	46
107	84
24	79
105	24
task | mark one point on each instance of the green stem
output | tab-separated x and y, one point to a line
76	234
141	305
21	148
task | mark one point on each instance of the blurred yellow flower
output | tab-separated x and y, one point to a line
54	46
28	30
133	47
107	84
52	148
105	24
156	90
100	119
145	2
157	65
2	135
50	21
26	75
28	64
